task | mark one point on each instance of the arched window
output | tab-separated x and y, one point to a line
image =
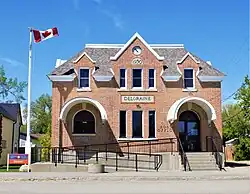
84	123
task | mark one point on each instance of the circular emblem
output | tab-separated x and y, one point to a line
137	61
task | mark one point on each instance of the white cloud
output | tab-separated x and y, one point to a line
12	62
115	17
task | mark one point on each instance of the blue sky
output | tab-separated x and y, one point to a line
214	30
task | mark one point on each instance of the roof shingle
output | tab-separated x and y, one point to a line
102	58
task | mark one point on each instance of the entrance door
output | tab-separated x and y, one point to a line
189	131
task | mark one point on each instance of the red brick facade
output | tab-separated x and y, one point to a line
109	96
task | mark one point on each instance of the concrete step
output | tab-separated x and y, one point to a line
201	162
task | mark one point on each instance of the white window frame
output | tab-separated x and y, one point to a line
154	78
142	124
184	78
82	134
125	78
126	124
141	79
155	122
79	78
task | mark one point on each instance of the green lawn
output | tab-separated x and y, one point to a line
11	169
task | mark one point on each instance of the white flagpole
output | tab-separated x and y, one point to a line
27	143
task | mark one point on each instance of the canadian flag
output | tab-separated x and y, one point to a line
44	35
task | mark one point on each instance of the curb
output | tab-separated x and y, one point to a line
122	178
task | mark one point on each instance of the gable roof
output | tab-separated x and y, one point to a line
136	35
102	55
11	111
81	56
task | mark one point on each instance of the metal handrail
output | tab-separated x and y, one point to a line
184	157
125	141
217	154
157	158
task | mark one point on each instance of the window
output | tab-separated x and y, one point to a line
84	123
151	124
137	78
123	123
151	78
188	78
137	124
122	78
84	78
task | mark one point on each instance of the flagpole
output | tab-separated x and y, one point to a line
27	143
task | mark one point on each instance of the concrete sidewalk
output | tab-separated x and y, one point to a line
239	173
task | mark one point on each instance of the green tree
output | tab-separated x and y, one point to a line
11	87
40	114
236	123
41	121
10	90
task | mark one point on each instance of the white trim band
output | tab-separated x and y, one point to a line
136	35
206	106
62	78
171	78
211	78
68	105
102	78
81	56
185	56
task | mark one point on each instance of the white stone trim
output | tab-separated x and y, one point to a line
173	78
136	139
211	78
136	35
62	78
207	107
102	78
84	53
185	56
69	104
83	89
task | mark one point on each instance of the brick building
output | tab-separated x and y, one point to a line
136	91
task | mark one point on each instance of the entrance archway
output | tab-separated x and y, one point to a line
189	131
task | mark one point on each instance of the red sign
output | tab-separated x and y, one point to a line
18	159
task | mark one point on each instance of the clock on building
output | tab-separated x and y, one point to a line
137	50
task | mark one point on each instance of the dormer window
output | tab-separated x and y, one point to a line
189	78
84	81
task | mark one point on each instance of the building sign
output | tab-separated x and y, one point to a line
138	99
18	159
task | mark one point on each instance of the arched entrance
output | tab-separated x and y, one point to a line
189	131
